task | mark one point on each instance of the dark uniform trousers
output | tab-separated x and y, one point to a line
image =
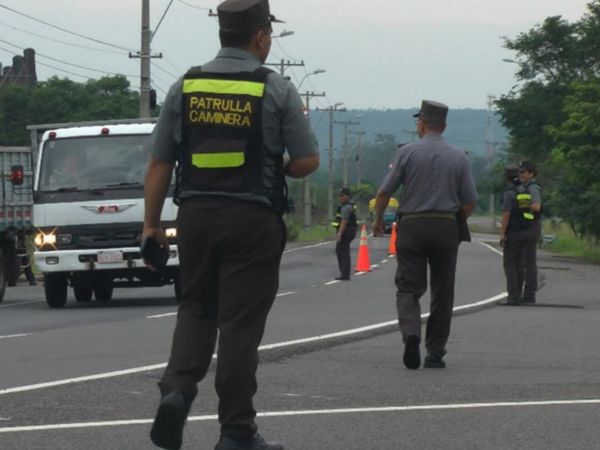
423	241
229	253
520	263
342	251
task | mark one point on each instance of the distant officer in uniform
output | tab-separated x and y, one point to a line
227	125
437	186
519	234
345	225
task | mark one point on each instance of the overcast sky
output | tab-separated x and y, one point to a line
377	54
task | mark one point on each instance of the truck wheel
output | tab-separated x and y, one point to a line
55	288
83	293
2	277
103	292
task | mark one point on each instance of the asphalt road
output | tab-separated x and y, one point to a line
331	375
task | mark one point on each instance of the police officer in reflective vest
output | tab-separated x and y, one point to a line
519	234
438	187
345	226
225	127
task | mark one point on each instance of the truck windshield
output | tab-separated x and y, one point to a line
94	162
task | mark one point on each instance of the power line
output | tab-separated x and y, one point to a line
66	62
98	41
61	42
194	6
172	65
162	18
164	70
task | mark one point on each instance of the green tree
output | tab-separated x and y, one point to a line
14	115
576	159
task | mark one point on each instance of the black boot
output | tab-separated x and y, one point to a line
167	429
412	354
256	442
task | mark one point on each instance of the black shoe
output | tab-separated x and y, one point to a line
343	278
256	442
434	362
412	354
167	429
528	301
513	302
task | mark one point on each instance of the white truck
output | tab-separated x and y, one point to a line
88	210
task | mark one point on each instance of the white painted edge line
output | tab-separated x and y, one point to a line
297	249
313	412
383	261
134	370
160	316
9	336
491	248
329	283
8	305
285	294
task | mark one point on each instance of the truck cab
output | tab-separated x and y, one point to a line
88	212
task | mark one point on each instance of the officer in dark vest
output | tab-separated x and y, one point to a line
519	234
437	187
225	127
345	226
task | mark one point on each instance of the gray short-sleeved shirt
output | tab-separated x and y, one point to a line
284	125
510	195
346	211
435	176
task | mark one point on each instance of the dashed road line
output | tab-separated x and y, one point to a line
297	249
485	244
8	305
160	316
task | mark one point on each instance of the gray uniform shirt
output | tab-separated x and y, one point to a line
510	196
435	176
346	211
284	124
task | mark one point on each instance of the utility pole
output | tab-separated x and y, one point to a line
145	56
346	123
490	149
331	110
360	134
285	64
306	180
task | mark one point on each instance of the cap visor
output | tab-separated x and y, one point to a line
274	19
417	114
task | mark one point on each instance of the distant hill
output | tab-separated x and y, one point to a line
466	127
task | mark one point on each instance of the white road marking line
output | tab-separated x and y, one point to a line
373	266
284	294
160	316
491	248
9	336
358	274
307	247
315	412
383	261
8	305
329	283
322	337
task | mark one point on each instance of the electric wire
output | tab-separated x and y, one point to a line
66	62
98	41
161	19
61	42
194	6
154	64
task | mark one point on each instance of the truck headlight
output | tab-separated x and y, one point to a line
42	239
171	232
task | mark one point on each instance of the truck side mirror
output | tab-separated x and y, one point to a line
17	175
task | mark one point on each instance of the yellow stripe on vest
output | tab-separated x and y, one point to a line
209	86
218	160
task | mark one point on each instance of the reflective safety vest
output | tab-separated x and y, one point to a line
522	217
222	143
338	216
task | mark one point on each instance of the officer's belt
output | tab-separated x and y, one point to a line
428	215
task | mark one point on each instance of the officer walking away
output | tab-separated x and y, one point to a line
437	187
519	234
345	225
227	125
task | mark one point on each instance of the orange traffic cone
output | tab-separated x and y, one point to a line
393	237
363	264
